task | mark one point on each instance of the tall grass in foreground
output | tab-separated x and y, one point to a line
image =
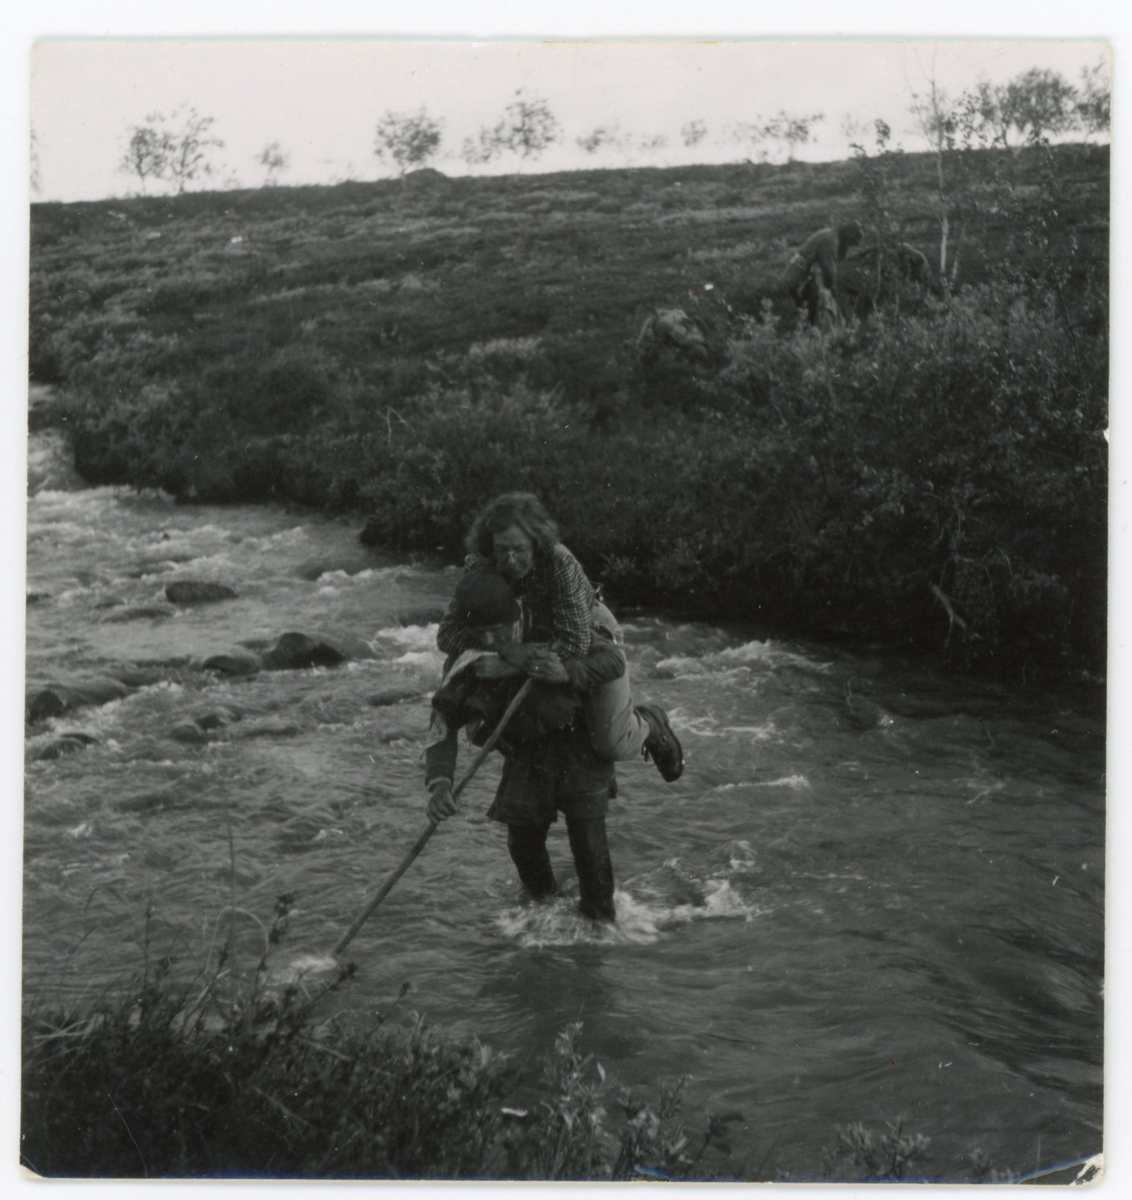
245	1073
238	1077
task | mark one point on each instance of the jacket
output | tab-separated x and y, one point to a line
549	764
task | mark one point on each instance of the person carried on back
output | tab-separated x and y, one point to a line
561	612
549	762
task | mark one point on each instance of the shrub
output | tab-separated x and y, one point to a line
873	1156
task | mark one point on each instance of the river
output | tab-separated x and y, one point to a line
876	894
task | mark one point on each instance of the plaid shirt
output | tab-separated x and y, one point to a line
557	603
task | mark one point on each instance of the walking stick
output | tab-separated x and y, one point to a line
419	844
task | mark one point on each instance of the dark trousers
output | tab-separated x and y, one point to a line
590	847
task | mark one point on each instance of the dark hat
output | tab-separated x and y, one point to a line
483	598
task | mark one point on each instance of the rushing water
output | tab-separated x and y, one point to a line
875	894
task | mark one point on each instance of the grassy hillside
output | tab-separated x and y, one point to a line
408	348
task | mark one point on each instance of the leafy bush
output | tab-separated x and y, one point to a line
568	1136
959	453
874	1156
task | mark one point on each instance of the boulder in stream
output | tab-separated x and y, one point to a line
196	591
188	732
66	743
294	651
217	717
58	698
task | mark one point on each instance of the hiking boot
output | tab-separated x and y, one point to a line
662	745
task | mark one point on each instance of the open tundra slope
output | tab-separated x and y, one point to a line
407	348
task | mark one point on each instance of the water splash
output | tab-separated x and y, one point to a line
787	781
415	637
722	663
681	666
420	658
772	655
647	907
708	725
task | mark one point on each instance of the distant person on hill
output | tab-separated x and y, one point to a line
515	535
549	762
822	250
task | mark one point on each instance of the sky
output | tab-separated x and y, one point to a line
82	114
320	99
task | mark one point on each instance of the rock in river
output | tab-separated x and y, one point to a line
188	732
218	717
293	651
58	698
195	591
67	743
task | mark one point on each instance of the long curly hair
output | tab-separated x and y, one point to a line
523	510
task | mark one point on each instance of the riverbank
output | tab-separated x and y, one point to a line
934	478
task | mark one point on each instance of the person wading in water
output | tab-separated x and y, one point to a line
550	765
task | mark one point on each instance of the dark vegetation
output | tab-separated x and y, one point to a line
249	1073
253	1071
933	476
